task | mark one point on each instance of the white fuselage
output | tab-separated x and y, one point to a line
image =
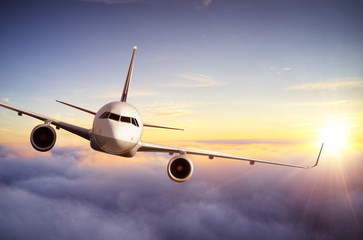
117	129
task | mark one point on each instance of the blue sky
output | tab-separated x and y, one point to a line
259	78
242	44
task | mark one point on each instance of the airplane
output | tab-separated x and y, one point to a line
117	129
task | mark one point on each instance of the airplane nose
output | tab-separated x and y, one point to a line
113	145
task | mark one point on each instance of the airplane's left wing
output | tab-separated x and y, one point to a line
151	147
82	132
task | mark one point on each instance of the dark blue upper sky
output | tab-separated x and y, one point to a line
315	38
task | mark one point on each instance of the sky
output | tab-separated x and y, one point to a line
269	79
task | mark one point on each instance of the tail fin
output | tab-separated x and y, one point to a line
128	78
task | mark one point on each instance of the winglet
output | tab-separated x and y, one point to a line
317	160
128	78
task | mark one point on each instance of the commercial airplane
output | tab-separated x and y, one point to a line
117	129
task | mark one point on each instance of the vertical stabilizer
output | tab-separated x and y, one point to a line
128	79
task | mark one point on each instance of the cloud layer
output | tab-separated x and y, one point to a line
333	84
60	196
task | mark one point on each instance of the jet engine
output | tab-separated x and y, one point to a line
43	137
180	168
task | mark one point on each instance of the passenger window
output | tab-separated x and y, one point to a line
125	119
114	117
134	121
105	115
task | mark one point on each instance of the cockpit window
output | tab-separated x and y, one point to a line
120	118
125	119
114	117
134	121
105	115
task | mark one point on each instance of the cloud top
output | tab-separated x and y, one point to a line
59	197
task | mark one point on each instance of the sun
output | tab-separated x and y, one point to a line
335	135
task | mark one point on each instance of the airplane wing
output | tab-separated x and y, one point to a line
82	132
150	147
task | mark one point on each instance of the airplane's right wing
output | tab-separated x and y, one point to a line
151	147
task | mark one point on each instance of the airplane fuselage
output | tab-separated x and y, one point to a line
117	129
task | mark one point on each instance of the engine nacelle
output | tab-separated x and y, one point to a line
43	137
180	168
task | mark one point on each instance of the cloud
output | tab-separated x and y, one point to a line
59	197
256	141
338	102
194	80
199	4
111	1
169	108
333	84
279	70
315	103
174	113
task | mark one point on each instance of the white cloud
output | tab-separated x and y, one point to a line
280	70
332	84
81	197
194	80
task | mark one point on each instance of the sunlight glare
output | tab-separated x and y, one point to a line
335	134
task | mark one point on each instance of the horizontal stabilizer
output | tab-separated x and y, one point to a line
82	109
165	127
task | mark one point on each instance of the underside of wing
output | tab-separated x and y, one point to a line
150	147
82	132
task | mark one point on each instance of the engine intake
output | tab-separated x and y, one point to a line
43	137
180	168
